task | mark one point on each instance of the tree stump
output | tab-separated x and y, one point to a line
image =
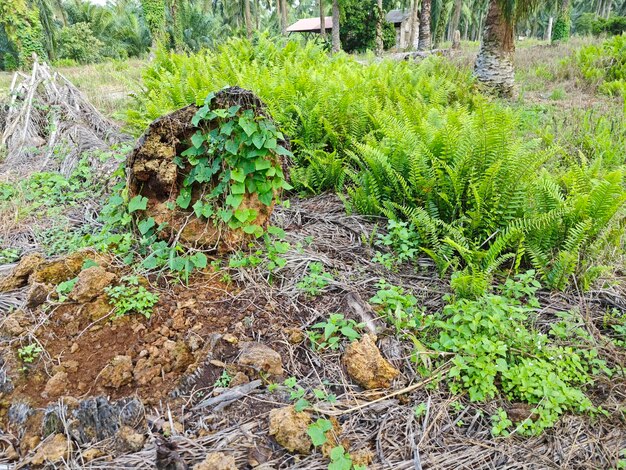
154	171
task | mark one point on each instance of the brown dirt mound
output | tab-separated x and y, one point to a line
154	174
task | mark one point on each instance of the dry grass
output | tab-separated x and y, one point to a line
106	85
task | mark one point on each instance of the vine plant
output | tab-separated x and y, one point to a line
240	151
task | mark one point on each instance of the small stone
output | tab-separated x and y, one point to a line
232	339
37	294
70	366
239	379
217	461
20	273
295	335
10	453
98	309
91	453
91	284
74	348
56	386
129	440
366	365
195	342
52	450
11	326
261	358
289	428
118	372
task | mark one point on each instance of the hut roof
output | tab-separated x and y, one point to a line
308	25
397	16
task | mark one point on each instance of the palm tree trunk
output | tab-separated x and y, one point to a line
322	21
456	18
248	17
336	37
440	30
494	64
257	14
283	11
380	47
414	24
425	43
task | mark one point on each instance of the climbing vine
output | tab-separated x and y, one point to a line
241	153
23	28
154	13
562	25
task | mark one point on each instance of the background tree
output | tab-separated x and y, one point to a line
248	18
23	28
563	24
424	36
336	28
322	20
380	47
154	13
494	64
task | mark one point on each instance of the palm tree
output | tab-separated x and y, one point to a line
336	38
425	42
380	47
494	64
248	18
322	21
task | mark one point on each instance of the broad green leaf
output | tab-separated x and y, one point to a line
184	198
258	140
145	225
234	200
280	150
197	139
138	203
238	188
262	164
238	175
199	260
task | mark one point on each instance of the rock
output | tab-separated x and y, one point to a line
56	386
51	450
74	348
289	428
366	366
98	309
261	358
91	283
128	440
118	372
232	339
295	335
10	453
362	457
19	275
37	294
217	461
91	453
145	371
60	269
239	379
11	326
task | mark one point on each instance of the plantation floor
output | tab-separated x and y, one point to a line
197	332
178	356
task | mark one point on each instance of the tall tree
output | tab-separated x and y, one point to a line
425	41
154	13
248	18
380	47
563	23
442	21
414	23
494	64
283	15
336	36
456	18
322	20
23	28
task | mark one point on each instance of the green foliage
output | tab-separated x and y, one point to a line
604	65
315	281
77	42
333	331
398	309
64	288
224	380
403	242
562	25
131	297
23	28
358	25
241	153
615	25
154	14
29	353
497	350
